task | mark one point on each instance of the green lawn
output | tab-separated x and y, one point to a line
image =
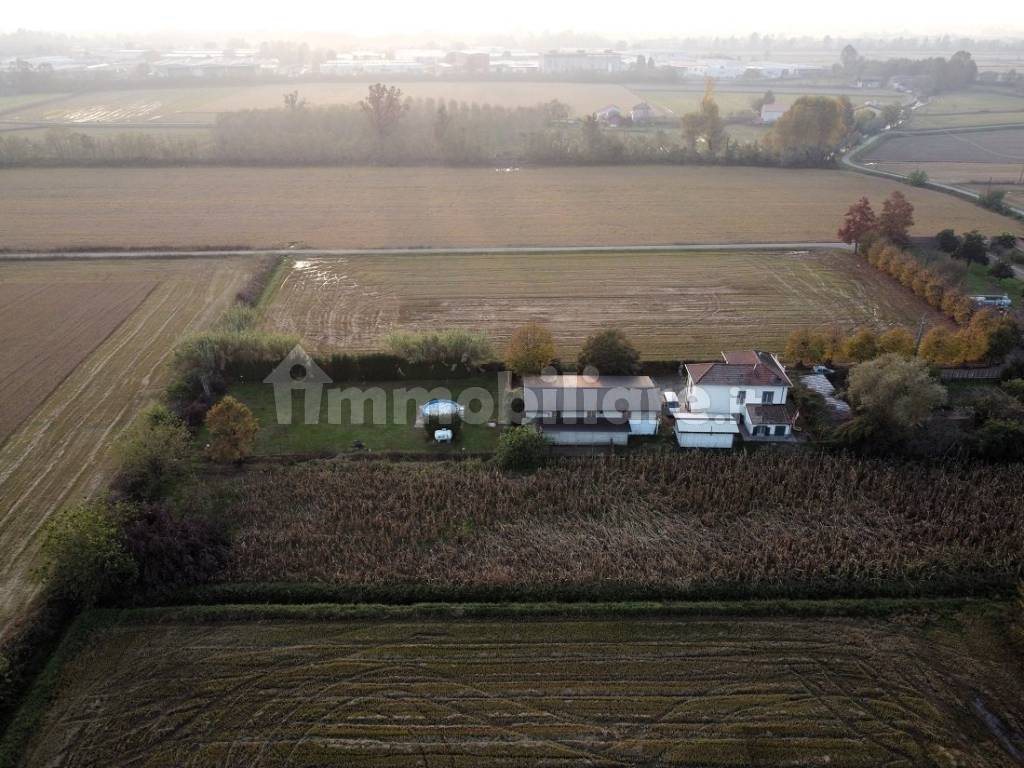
325	437
979	281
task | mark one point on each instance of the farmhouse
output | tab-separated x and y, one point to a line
748	388
591	410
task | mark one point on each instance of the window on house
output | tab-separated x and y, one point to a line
780	431
767	397
741	397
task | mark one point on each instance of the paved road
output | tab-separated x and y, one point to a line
150	254
849	160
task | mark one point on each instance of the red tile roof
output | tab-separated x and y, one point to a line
748	368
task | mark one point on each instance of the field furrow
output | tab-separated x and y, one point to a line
60	453
595	692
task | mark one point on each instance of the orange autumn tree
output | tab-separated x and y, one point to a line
859	221
896	219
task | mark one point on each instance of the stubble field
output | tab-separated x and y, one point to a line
446	207
682	305
993	147
60	451
199	105
529	691
48	329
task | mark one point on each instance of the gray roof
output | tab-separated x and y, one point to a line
571	392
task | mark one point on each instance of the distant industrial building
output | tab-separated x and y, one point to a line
567	63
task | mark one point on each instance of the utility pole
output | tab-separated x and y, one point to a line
920	334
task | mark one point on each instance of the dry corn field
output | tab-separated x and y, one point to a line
86	388
782	522
672	305
446	207
531	691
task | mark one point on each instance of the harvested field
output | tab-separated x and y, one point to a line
60	452
780	522
202	104
1002	146
960	173
446	207
683	305
522	691
678	101
47	330
969	108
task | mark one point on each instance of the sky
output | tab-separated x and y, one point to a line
447	18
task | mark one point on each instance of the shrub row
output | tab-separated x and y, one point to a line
925	282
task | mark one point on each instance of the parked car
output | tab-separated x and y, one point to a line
823	369
670	405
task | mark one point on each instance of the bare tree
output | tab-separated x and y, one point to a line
384	107
293	102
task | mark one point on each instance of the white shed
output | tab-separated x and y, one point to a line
698	430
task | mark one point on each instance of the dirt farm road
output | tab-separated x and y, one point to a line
668	248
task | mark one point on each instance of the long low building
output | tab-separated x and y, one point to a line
591	410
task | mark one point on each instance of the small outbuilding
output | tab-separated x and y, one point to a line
699	430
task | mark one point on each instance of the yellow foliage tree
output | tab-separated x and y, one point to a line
942	346
861	346
232	430
530	349
898	341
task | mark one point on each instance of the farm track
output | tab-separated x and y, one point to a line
61	452
843	692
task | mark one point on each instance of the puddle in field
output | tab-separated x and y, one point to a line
322	272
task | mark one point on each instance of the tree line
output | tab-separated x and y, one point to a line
388	128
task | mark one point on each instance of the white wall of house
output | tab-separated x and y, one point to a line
645	426
772	428
703	440
720	398
585	437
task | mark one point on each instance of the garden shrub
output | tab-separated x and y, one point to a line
521	449
172	551
449	347
1000	440
153	455
84	554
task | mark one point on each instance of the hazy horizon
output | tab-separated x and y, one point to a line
530	18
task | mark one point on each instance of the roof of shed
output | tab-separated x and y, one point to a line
769	414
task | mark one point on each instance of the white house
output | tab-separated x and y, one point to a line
749	388
591	410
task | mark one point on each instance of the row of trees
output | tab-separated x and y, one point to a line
927	76
608	352
806	347
386	127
